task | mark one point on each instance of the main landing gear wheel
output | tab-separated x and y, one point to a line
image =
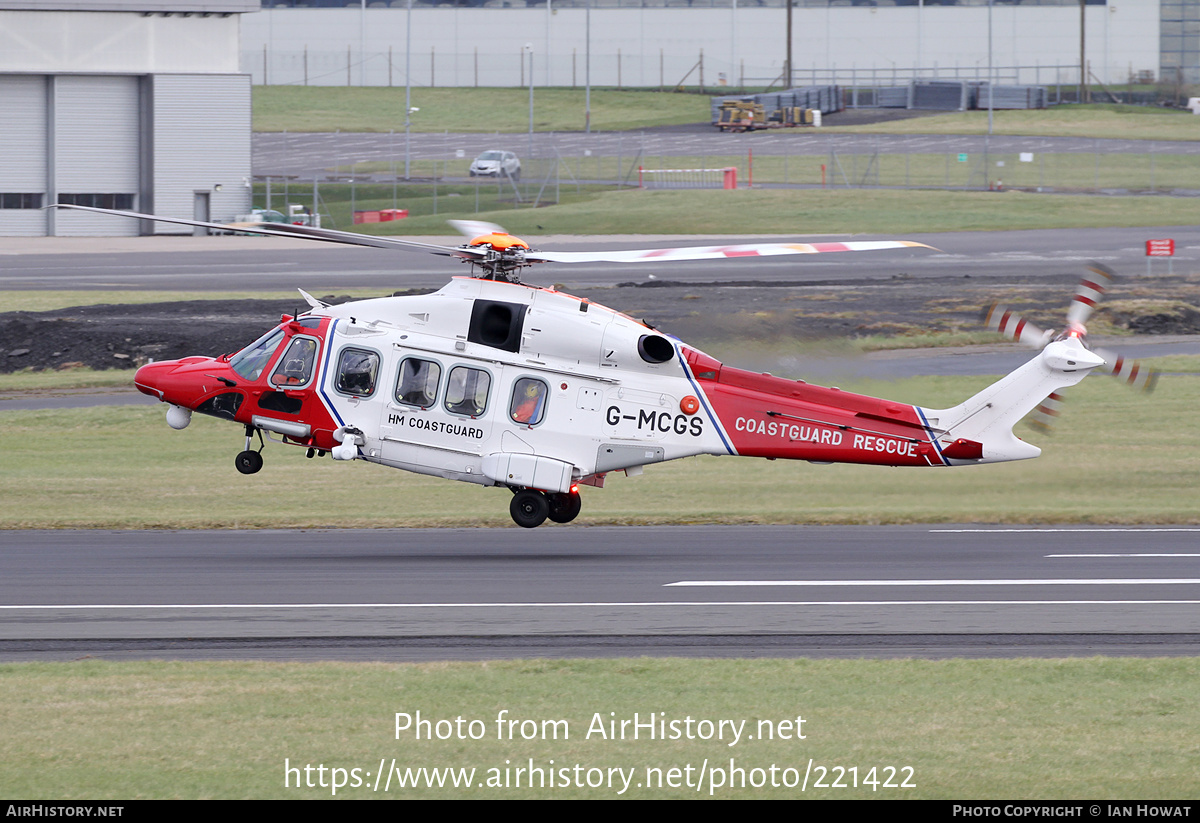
565	507
248	462
529	508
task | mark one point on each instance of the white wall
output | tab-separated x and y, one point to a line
55	42
1121	37
201	141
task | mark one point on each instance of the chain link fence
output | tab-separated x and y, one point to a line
558	168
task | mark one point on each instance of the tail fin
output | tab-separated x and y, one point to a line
988	417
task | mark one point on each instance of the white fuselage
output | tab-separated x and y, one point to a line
605	407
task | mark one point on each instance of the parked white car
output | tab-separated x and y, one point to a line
496	163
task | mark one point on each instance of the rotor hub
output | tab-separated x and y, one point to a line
504	256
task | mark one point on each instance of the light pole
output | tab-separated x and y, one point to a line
1084	97
787	68
991	77
529	48
407	85
587	71
408	113
991	91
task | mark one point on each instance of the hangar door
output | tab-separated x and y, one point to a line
68	139
96	152
23	159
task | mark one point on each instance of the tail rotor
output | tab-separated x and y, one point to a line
1091	288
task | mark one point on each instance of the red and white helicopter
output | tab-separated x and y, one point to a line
499	383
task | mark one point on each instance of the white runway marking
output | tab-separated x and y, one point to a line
585	605
1160	554
1055	530
1137	581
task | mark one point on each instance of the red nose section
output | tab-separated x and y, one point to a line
181	382
151	376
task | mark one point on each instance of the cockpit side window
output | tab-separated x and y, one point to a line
250	361
295	368
418	382
467	391
357	371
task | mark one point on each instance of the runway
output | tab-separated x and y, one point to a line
695	591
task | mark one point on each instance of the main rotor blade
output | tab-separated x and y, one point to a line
1088	293
474	228
1000	318
715	252
290	230
355	239
471	253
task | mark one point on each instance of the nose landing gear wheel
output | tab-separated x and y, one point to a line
565	507
529	508
248	462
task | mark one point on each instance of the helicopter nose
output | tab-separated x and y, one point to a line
181	382
151	378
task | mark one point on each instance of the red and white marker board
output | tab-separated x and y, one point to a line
1164	247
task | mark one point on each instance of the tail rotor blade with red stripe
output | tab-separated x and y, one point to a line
1133	372
1046	414
1088	293
1002	319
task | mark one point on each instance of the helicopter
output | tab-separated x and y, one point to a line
495	382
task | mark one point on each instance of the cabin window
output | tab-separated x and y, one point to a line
528	403
467	391
250	361
418	382
295	368
357	370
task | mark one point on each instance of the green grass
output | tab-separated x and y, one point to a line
1094	120
1072	172
65	379
1117	457
441	202
796	213
506	110
1023	729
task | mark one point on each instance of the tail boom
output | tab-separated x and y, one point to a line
765	416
